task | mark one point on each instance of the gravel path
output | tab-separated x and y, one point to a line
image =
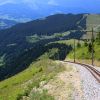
91	88
75	83
66	85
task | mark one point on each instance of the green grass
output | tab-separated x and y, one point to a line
2	60
68	42
82	52
41	70
12	86
36	38
41	96
97	51
33	39
19	85
83	55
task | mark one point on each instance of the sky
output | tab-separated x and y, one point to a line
77	3
36	4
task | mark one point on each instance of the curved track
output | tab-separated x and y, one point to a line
92	70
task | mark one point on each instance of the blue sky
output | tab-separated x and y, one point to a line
77	3
90	5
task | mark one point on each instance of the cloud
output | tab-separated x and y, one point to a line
53	2
32	3
2	2
39	4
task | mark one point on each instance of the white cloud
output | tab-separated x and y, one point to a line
53	2
2	2
32	3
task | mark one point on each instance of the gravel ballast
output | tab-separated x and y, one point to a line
90	86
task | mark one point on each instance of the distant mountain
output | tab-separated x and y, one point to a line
4	23
17	12
10	14
16	41
23	12
49	25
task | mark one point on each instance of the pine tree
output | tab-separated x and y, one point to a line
98	38
90	48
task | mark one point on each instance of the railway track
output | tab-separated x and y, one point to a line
91	69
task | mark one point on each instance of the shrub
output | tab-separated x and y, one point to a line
41	69
41	96
85	44
78	45
19	96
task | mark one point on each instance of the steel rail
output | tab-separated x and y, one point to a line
91	69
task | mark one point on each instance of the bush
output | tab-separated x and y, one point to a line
85	44
78	45
41	69
41	96
19	97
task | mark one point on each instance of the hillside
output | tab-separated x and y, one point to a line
49	25
93	20
83	53
42	69
27	39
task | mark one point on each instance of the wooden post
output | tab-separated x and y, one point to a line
92	40
58	55
74	52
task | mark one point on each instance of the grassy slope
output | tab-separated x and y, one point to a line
43	69
14	87
83	54
41	96
92	21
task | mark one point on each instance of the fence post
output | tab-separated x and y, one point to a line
92	40
74	52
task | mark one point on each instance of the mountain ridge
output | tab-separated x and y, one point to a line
4	23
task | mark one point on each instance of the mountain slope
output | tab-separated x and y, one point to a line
27	39
93	20
51	24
